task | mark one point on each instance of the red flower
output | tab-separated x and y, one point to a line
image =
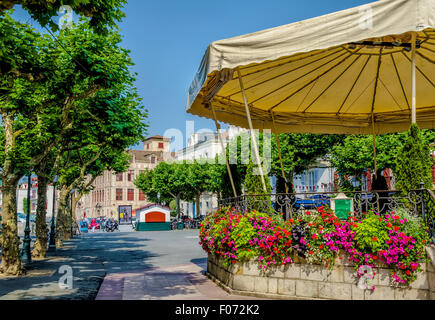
408	272
396	228
307	213
321	246
374	239
389	225
311	252
375	257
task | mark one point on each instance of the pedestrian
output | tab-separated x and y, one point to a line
380	186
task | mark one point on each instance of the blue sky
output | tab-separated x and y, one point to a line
167	39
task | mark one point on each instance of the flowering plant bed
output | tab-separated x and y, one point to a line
396	240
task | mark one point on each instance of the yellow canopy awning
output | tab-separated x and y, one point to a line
337	73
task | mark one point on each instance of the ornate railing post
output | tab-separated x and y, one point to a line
422	192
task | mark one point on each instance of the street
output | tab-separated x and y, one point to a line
121	265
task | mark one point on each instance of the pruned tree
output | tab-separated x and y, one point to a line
102	13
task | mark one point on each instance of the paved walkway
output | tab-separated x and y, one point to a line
167	265
182	282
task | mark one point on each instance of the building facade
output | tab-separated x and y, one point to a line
204	145
115	195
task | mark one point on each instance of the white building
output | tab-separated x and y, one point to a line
319	178
22	197
205	145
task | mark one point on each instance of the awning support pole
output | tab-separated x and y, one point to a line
278	145
375	155
251	127
414	86
374	146
289	211
224	150
373	112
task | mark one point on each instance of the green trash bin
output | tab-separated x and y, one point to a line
180	225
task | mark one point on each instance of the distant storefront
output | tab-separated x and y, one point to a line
153	217
125	214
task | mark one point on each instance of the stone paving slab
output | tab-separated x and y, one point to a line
180	282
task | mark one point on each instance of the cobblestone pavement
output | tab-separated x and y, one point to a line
133	265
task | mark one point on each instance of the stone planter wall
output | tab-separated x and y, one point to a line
301	280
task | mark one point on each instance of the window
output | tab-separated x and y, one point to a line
119	194
141	195
130	194
119	177
161	145
130	176
153	160
148	146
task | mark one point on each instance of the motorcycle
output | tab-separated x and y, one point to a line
111	226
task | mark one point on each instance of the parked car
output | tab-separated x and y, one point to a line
312	202
21	217
94	224
84	227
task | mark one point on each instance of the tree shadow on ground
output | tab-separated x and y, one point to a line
87	261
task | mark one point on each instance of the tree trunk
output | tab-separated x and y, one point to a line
40	246
198	201
10	242
177	200
62	219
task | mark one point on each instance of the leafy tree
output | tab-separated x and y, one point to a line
168	179
253	183
53	99
299	152
21	130
199	180
102	13
353	157
414	162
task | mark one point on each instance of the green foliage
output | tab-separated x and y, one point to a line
300	151
353	156
253	183
414	162
414	224
371	233
103	14
25	205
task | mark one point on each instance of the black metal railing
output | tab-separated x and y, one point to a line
418	202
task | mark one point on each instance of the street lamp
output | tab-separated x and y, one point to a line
98	209
26	256
71	210
52	243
